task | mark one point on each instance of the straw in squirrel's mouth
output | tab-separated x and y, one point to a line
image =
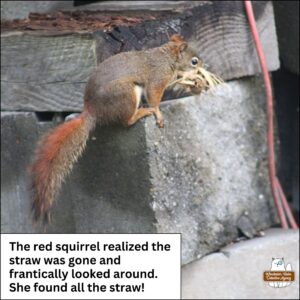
201	80
208	79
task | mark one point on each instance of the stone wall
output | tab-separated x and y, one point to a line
203	175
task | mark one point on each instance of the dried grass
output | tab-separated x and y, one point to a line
197	80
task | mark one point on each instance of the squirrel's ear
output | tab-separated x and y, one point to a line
182	46
176	38
177	48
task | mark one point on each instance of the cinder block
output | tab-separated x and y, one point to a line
209	167
236	272
198	176
19	135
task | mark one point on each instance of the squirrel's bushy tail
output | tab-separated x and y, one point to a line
56	153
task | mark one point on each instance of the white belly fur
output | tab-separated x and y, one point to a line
138	93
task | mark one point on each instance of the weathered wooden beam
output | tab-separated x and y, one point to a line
155	5
45	68
45	73
20	9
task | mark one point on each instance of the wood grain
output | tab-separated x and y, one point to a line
45	73
48	72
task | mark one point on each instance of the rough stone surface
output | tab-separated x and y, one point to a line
236	272
19	135
198	176
208	167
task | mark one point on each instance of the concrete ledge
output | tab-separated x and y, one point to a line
204	175
237	271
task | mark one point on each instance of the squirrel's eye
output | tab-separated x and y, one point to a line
194	61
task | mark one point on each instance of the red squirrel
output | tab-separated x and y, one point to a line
113	94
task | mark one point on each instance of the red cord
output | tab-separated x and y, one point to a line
286	206
277	191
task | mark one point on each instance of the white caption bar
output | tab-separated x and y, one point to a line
90	266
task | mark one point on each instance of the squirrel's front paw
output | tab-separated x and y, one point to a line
151	111
160	123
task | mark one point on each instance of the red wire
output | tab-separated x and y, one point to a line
277	191
286	206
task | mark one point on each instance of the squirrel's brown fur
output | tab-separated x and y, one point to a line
55	156
113	94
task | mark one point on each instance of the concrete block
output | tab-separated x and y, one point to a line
19	135
198	176
236	272
208	167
